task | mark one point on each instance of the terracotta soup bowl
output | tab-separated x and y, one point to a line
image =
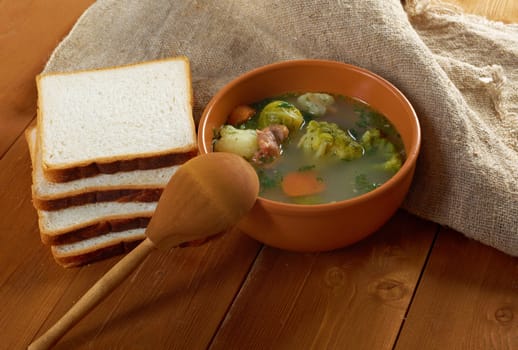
319	227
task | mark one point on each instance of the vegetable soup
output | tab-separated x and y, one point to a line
313	148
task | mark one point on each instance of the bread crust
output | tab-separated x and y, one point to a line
122	196
98	253
155	162
96	229
148	62
95	255
91	193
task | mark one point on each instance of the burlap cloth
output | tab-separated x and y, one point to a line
459	71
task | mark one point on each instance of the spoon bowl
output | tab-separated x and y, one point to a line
205	197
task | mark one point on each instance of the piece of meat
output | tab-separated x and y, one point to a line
280	132
269	142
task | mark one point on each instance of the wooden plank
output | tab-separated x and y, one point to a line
31	292
29	31
354	298
18	221
468	299
499	10
175	300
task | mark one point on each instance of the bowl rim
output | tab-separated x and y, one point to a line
283	207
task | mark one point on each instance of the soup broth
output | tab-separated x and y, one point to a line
336	178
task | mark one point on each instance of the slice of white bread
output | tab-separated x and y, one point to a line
115	119
88	220
136	185
97	248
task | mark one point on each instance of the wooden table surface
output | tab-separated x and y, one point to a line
412	285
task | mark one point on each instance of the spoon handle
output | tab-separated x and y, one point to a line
94	295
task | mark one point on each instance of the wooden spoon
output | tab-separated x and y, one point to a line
206	196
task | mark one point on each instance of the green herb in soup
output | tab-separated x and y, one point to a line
313	148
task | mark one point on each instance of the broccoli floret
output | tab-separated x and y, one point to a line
280	112
393	164
315	103
328	139
373	141
239	141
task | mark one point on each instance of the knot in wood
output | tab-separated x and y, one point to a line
335	277
389	289
504	315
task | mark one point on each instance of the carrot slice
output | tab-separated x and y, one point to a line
240	114
303	183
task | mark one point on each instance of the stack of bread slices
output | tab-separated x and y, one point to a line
105	145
